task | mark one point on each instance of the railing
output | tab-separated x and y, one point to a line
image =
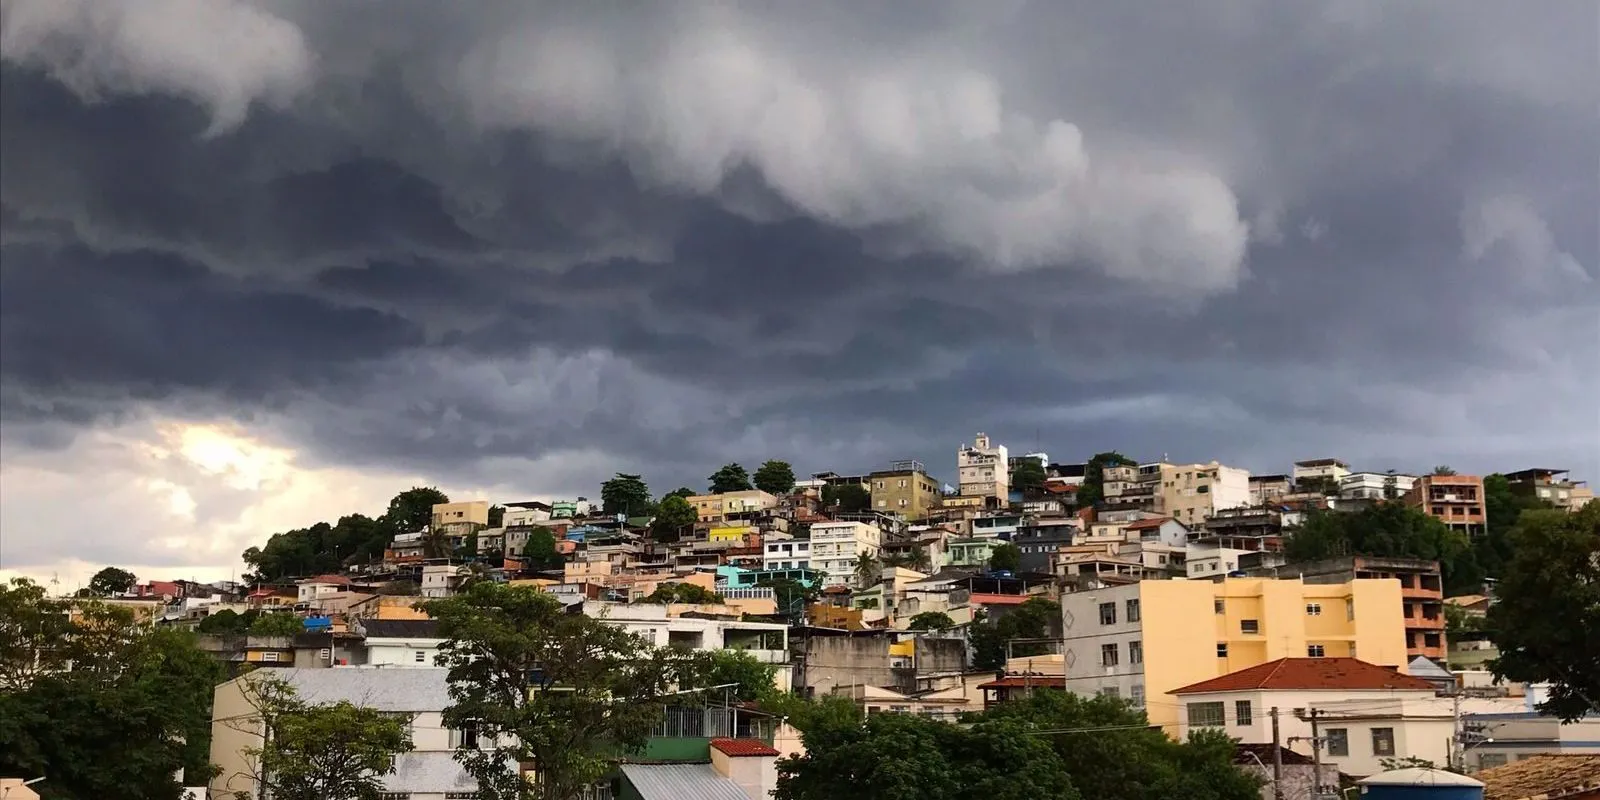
748	593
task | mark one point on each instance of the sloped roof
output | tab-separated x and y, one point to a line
1537	776
680	782
1424	667
1139	525
743	747
1309	674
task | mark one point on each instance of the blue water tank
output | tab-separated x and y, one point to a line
318	624
1420	783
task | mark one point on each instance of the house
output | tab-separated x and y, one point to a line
1324	471
1455	500
946	704
312	589
837	546
1552	486
1148	638
1544	777
828	657
1375	486
767	642
394	643
428	772
1364	713
1192	493
738	769
741	505
786	554
983	469
971	551
1265	489
1039	539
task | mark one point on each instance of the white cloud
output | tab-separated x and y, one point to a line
1510	225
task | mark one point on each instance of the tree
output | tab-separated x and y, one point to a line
1028	475
337	751
673	517
540	685
108	708
1091	491
540	551
625	494
847	497
730	478
752	679
1033	619
111	581
277	624
497	515
412	510
1546	620
1443	469
869	570
226	622
682	491
916	558
775	477
1502	506
682	593
931	621
354	538
791	595
1005	557
1389	530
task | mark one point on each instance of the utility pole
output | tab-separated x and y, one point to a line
1277	758
1316	756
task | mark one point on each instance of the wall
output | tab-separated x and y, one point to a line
1420	730
912	500
401	652
473	511
1296	778
757	776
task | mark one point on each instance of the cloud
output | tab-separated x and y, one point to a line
510	248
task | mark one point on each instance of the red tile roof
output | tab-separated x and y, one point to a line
1309	674
743	747
1140	525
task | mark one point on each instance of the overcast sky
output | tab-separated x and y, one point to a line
265	263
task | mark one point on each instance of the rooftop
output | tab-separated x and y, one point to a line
401	628
1025	681
1313	674
419	689
743	747
1139	525
1542	776
680	782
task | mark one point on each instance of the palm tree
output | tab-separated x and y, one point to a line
1443	469
868	570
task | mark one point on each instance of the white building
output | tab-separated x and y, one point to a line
768	642
1331	469
428	772
311	589
1366	713
983	469
394	643
1371	485
439	580
837	546
786	554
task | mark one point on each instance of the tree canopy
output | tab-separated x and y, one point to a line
111	581
931	621
107	708
729	478
277	624
775	477
1388	530
1029	475
325	547
540	551
682	593
625	494
1546	620
1033	619
847	496
673	517
1006	556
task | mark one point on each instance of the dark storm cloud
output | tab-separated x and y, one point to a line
1246	231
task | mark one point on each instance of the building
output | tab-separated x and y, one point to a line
1455	500
983	469
1039	540
1365	713
469	512
1421	593
904	489
1375	486
1148	638
1192	493
767	642
733	769
836	547
1265	489
428	772
1552	486
786	554
741	505
1319	471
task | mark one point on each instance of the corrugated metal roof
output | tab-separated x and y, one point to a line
680	782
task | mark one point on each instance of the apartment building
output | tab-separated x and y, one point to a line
1375	485
905	490
837	546
1328	471
1143	640
466	514
719	508
1265	489
767	642
786	554
1552	486
1192	493
983	469
1421	593
1455	500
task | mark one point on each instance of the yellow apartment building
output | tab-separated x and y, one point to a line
904	489
732	534
719	507
1141	641
475	512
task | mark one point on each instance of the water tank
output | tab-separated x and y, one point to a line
1420	783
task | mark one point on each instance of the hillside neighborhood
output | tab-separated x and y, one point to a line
1331	625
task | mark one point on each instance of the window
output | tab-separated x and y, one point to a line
1133	610
464	738
1137	695
883	504
1241	713
1350	610
1108	655
1135	652
1108	613
420	656
1222	649
269	657
1314	651
1383	741
1249	626
394	796
902	483
1219	606
1205	715
1490	760
1313	609
1338	742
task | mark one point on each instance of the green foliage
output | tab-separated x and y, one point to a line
1033	619
869	570
931	621
227	622
1546	619
682	593
337	751
1443	469
1318	484
673	517
1503	506
497	515
1389	530
730	478
1006	556
277	624
1029	475
775	477
540	551
1091	491
111	581
563	690
848	497
682	491
720	667
133	709
354	538
625	494
1459	620
916	559
791	595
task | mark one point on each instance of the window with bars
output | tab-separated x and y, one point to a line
1135	652
1313	609
1108	613
1205	715
1133	610
1241	713
1108	655
1383	741
1314	651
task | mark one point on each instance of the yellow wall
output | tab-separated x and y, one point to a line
1181	629
474	511
734	533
